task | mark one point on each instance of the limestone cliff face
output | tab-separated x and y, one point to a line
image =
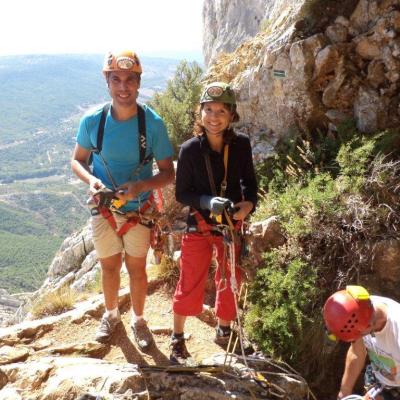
227	24
288	77
9	305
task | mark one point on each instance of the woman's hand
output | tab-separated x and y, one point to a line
245	208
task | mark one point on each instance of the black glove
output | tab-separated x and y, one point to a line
215	204
105	196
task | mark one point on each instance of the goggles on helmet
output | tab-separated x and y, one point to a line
218	91
347	313
122	61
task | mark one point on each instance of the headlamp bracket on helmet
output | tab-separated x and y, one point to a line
125	63
125	60
215	91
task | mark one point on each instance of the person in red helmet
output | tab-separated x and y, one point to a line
122	139
372	326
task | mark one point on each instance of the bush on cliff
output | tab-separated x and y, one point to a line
177	104
336	197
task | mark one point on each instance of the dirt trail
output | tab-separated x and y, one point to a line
158	312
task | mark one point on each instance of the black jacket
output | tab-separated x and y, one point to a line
192	178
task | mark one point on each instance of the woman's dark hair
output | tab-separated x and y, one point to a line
199	130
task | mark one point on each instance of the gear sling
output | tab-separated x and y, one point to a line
132	220
206	229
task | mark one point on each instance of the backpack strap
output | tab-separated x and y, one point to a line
218	218
142	133
100	132
142	130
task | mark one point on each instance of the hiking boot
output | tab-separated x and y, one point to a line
106	328
179	353
142	334
222	336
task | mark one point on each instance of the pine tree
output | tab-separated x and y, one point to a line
177	104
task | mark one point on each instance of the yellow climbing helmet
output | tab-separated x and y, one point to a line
125	60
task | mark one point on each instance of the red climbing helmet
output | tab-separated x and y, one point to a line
347	313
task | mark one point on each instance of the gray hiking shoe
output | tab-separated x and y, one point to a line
222	336
179	353
142	334
106	328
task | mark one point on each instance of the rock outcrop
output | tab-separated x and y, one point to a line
288	81
9	306
227	24
55	358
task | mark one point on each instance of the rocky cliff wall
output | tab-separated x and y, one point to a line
291	78
227	24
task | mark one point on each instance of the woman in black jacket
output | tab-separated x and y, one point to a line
215	177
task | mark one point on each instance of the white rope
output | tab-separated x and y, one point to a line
235	291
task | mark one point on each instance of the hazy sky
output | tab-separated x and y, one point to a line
95	26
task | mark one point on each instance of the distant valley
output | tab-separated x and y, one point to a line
43	98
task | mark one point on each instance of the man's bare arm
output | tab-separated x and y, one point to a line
355	361
165	176
80	167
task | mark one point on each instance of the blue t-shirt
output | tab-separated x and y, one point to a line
120	148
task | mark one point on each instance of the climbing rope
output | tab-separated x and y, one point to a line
230	241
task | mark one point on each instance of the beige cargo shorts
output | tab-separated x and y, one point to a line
135	242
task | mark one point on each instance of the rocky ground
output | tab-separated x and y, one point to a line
57	358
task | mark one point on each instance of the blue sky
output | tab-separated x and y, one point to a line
150	27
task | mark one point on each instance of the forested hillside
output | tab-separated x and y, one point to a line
42	99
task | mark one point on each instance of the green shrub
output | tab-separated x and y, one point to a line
300	203
335	197
282	294
177	104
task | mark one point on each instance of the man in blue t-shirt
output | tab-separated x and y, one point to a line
118	168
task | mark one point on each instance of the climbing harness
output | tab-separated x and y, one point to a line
230	236
107	196
105	202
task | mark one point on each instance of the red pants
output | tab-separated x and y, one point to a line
196	256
